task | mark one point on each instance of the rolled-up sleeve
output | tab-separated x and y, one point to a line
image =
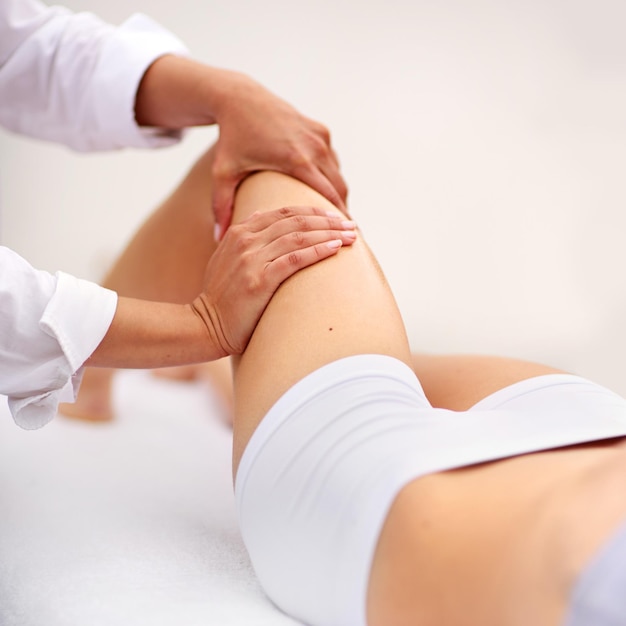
49	326
72	79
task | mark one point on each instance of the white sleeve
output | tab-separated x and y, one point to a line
49	326
72	79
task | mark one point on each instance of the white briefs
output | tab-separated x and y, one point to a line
321	471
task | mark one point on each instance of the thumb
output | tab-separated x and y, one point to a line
223	200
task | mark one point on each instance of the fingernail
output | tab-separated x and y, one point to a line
348	225
335	243
217	232
350	234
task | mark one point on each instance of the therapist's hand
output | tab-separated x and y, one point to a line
259	131
250	263
253	259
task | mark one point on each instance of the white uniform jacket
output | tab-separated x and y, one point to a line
72	79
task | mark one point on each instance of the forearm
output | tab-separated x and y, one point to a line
146	334
177	92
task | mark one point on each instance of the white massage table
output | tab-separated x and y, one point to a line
128	523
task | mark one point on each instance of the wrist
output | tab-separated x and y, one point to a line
225	91
212	328
176	93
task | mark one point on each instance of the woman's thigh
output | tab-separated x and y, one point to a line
334	309
167	257
458	382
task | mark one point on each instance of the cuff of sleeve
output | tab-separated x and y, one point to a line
77	316
123	61
35	412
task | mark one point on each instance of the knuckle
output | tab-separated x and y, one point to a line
236	230
319	147
221	171
293	259
251	281
285	212
243	241
300	222
299	238
323	132
318	129
252	222
299	158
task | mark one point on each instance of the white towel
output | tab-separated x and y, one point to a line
126	523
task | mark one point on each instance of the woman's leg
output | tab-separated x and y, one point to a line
339	308
327	312
457	382
164	261
167	257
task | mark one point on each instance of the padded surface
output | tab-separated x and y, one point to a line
127	523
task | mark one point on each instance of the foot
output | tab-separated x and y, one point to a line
93	403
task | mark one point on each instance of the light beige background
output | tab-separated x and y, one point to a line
484	142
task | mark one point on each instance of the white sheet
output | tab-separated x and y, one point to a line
127	523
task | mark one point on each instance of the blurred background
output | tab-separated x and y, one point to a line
484	143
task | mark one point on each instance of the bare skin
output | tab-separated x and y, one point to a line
258	130
454	382
498	544
170	259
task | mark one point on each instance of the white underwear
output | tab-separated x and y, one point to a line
321	471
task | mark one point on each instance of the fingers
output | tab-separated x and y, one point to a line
305	153
291	228
328	183
324	158
330	169
282	230
223	199
299	231
225	188
281	241
296	241
288	219
296	237
288	264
